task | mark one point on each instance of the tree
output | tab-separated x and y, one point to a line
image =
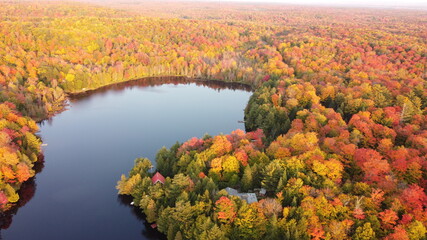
166	160
409	108
414	200
250	223
150	209
179	184
364	232
126	186
221	145
398	234
375	167
231	165
271	207
388	218
271	176
247	179
225	210
302	142
178	236
416	230
23	173
141	167
206	229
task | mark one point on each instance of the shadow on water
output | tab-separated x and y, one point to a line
148	231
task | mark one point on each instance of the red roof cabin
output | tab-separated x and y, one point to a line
158	178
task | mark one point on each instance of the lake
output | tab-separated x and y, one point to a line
97	139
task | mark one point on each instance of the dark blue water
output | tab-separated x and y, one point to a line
90	145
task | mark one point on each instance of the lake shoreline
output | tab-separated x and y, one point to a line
153	81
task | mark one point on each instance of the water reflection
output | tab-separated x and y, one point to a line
26	193
158	81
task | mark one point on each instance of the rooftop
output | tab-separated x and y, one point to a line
248	197
158	178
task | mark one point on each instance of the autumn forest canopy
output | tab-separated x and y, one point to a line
335	145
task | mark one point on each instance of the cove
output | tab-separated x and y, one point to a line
97	139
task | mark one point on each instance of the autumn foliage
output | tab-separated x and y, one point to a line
343	115
336	129
19	150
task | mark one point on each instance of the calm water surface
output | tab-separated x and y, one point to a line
97	139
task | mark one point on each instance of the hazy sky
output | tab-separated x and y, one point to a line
344	2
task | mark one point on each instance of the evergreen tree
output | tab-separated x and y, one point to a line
271	176
247	179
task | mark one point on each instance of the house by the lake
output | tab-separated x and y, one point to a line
158	178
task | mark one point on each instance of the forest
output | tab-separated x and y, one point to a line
335	145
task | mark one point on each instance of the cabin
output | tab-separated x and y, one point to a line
248	197
158	178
